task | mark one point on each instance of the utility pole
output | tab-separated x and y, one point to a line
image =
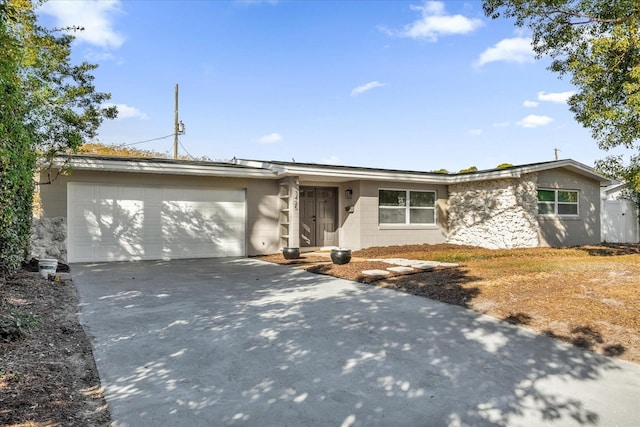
175	128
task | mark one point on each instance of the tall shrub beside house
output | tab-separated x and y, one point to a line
47	106
17	158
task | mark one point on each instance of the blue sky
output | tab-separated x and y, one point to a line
392	84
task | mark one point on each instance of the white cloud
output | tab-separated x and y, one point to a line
270	139
501	125
559	97
530	104
435	23
475	132
534	121
96	16
366	87
517	49
127	112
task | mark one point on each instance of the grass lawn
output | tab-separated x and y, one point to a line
588	296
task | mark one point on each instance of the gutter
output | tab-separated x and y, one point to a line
161	167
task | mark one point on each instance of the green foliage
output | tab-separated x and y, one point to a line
504	166
17	157
64	109
119	151
441	171
597	44
614	167
15	324
469	169
47	106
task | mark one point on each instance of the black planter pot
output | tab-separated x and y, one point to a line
291	253
340	256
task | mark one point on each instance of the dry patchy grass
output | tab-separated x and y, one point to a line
588	296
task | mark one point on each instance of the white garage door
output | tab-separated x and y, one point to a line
117	223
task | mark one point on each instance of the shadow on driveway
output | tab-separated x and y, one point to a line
243	342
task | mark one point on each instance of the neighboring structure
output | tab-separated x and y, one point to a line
126	208
620	223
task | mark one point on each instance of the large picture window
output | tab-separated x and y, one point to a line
406	207
557	202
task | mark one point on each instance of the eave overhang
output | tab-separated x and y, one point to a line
160	166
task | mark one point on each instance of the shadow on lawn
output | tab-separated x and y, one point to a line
444	285
612	249
585	337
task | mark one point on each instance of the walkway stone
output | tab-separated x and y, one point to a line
376	272
424	265
400	269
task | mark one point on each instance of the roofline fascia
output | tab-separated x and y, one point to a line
149	166
579	167
435	178
367	175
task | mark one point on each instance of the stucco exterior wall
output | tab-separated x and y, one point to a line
262	217
363	223
571	231
349	222
495	214
262	199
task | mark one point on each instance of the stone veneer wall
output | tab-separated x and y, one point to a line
49	238
494	214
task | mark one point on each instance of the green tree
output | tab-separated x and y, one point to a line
615	167
469	169
47	106
17	158
597	44
504	166
119	151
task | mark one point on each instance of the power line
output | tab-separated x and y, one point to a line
185	150
147	140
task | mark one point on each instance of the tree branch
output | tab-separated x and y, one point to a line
591	18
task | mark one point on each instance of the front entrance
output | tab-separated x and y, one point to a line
318	213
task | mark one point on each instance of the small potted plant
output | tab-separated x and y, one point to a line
340	256
291	253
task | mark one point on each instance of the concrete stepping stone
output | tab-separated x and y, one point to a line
449	264
400	269
400	261
425	266
376	272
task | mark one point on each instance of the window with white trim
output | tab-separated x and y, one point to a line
557	202
406	207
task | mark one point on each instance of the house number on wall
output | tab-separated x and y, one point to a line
295	200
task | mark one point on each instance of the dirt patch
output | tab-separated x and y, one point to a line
588	296
48	377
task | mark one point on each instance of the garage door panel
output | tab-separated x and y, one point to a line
108	222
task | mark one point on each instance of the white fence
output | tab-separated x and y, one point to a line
620	222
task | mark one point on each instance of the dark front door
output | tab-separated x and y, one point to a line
318	208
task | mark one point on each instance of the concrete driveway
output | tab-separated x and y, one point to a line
241	342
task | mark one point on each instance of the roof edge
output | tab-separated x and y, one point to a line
159	166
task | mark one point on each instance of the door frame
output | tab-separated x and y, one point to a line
314	239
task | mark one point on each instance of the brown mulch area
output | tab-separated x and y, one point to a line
47	377
588	296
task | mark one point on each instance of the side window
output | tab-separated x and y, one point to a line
406	207
557	202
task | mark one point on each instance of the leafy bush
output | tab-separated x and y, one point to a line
15	324
47	106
